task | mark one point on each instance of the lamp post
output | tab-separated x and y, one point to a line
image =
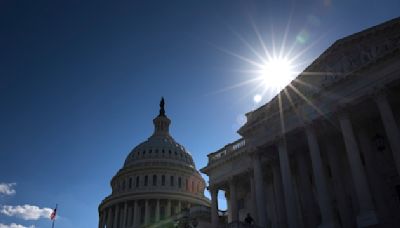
379	141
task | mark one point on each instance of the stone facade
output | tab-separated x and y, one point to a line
157	181
325	152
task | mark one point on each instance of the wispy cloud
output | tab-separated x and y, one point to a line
13	225
26	212
7	189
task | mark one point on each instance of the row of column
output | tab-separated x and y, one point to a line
284	181
132	217
140	182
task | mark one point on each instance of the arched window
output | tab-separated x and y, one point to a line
154	180
163	180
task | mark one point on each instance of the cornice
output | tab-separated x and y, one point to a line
120	198
390	46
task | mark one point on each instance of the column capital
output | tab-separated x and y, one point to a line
343	114
255	152
232	179
279	138
312	124
212	188
378	91
379	94
342	107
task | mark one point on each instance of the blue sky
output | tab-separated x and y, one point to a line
80	83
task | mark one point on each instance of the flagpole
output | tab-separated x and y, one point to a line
52	226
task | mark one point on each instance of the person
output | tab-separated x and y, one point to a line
249	220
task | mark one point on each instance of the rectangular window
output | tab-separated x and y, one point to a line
172	180
130	182
179	182
146	180
154	180
163	180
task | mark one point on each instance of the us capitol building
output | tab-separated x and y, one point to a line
157	181
325	151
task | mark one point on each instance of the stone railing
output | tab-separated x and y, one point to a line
199	209
227	150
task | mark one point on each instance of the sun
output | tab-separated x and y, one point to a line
276	73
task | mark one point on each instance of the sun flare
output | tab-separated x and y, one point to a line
276	73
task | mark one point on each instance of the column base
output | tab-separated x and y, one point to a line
367	218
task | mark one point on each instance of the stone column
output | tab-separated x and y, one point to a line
385	205
136	219
228	205
146	212
233	200
259	191
367	215
253	200
125	214
324	198
391	128
103	219
214	207
100	219
307	196
101	216
345	212
179	207
278	190
129	218
168	209
272	219
116	216
158	210
109	217
290	200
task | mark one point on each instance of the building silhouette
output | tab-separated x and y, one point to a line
325	151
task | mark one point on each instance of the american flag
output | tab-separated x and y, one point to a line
53	214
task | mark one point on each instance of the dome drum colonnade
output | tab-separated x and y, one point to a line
157	181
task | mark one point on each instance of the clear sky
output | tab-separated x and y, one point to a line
80	83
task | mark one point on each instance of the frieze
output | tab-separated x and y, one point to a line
342	59
356	56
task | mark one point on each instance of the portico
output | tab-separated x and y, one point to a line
325	152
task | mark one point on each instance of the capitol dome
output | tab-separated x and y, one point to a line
160	146
158	179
